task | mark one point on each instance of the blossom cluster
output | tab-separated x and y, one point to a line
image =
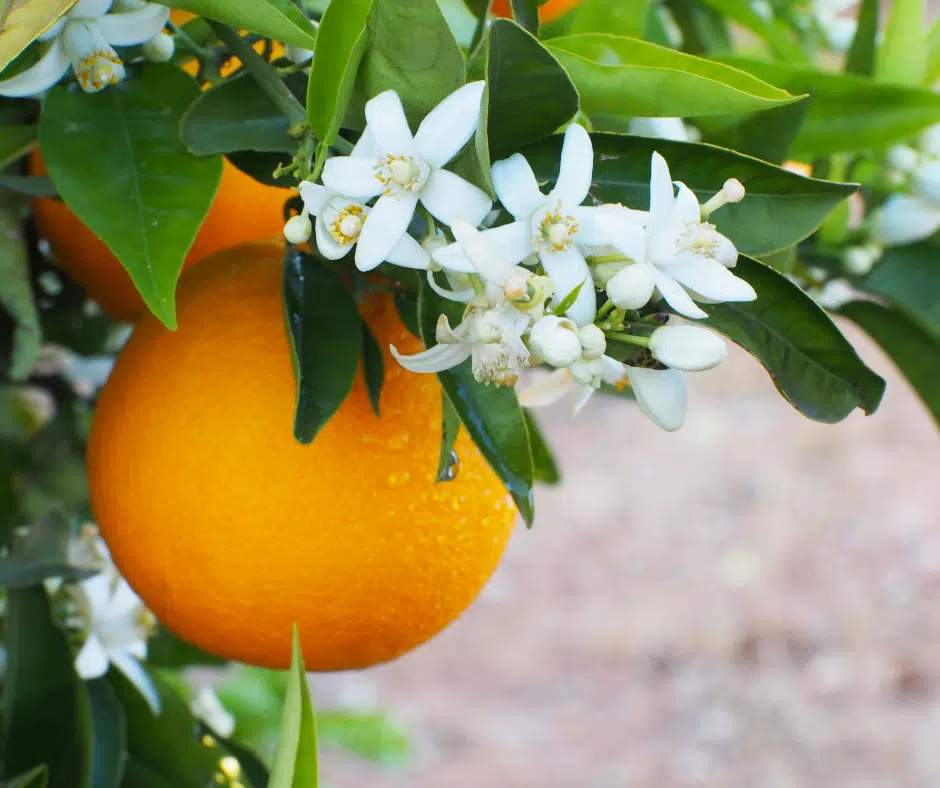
530	280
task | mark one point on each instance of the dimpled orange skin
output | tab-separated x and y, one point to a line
231	531
548	12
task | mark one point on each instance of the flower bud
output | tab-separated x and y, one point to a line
587	372
904	219
487	328
593	341
902	158
602	273
687	347
925	182
929	141
859	260
297	55
632	287
160	48
298	229
555	340
734	190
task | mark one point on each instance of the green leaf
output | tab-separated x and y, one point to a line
325	332
621	77
780	209
848	112
41	704
933	54
15	142
412	51
34	778
368	734
526	14
861	57
295	762
237	115
119	164
602	16
25	23
908	276
812	364
373	367
914	347
529	94
901	58
42	553
261	166
704	30
491	414
765	135
773	31
344	35
543	461
16	294
277	19
106	736
448	462
166	650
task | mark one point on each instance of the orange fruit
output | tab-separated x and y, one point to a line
548	12
243	210
231	531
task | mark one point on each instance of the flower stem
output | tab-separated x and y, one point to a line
604	310
605	258
630	339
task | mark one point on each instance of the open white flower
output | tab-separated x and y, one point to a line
85	39
905	219
408	168
556	226
672	250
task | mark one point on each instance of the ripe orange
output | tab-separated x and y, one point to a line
548	12
231	531
243	210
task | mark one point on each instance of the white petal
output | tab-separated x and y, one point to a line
663	128
315	196
92	660
687	347
711	279
516	187
592	230
137	676
676	297
547	390
514	242
487	259
614	372
632	287
436	359
577	167
661	395
90	9
327	245
366	147
661	194
56	28
447	196
567	270
97	591
585	392
903	220
124	601
408	253
685	208
450	125
134	27
383	228
385	116
464	296
352	177
625	230
48	70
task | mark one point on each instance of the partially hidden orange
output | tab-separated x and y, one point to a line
232	532
548	12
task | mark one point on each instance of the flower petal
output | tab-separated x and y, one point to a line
487	259
352	177
383	228
632	287
661	395
450	125
661	194
48	70
124	601
592	227
685	208
386	117
676	297
447	196
711	279
567	270
613	372
516	187
903	219
662	128
624	229
408	253
547	390
315	196
90	9
134	27
328	246
577	167
366	147
688	347
514	242
137	676
436	359
92	660
464	296
56	29
585	392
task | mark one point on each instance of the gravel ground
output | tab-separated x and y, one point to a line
751	601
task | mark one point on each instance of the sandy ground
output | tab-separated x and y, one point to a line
750	602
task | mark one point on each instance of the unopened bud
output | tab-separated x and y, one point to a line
298	229
632	287
902	158
593	341
516	287
160	48
587	372
925	182
687	347
859	260
734	190
555	340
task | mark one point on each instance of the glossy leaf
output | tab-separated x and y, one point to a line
25	23
491	414
526	14
602	16
908	276
704	30
767	135
812	364
618	76
237	115
543	460
106	737
15	142
848	112
295	762
281	20
933	53
42	553
529	94
861	57
144	197
325	333
771	30
344	32
367	734
373	367
901	58
913	346
780	209
450	427
16	294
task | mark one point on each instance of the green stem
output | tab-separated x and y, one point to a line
606	258
630	339
184	38
604	310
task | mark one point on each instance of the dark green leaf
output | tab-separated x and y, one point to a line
166	650
345	33
530	95
119	164
781	208
812	364
447	463
704	30
491	414
901	58
325	332
34	778
15	142
621	19
295	762
908	275
861	57
618	76
526	14
261	166
373	366
914	347
543	461
27	22
237	115
765	135
281	20
16	295
368	734
40	699
106	735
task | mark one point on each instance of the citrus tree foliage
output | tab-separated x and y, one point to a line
532	221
